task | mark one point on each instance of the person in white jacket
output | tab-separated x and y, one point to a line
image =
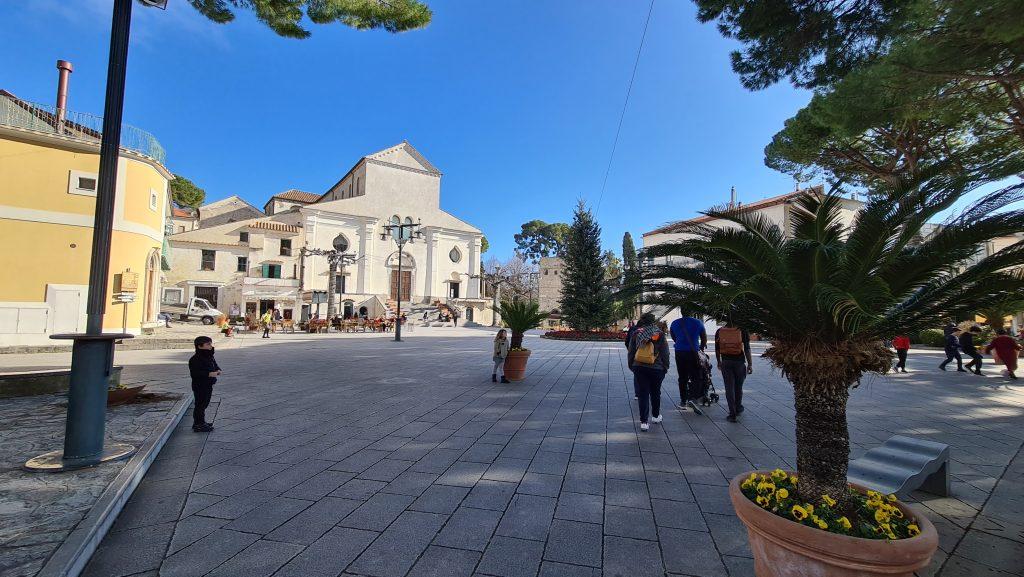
501	346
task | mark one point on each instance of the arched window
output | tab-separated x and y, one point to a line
455	254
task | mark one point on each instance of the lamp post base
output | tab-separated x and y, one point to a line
54	461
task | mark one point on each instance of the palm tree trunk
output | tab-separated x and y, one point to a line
517	340
822	441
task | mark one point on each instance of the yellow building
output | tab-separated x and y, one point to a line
48	178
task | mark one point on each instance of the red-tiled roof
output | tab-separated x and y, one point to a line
276	226
758	205
297	195
182	212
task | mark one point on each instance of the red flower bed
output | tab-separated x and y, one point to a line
585	335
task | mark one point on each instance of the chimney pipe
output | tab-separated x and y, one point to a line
65	69
732	197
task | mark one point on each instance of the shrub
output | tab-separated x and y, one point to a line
933	337
585	335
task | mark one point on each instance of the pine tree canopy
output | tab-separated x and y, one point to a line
285	16
185	193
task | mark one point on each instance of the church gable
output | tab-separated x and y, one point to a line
404	155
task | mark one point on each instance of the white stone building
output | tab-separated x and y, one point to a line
243	261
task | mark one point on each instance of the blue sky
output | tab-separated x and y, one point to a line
516	102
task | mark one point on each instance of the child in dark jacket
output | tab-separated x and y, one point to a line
204	370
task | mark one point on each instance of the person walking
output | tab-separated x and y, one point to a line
732	352
204	371
630	331
967	345
952	348
267	320
902	345
648	359
686	332
1006	348
501	348
455	316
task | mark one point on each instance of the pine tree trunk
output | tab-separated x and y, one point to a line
822	441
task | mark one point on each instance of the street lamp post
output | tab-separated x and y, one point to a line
92	353
336	256
402	233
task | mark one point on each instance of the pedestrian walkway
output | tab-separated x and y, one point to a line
376	458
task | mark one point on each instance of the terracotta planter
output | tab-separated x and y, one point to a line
515	365
122	396
784	548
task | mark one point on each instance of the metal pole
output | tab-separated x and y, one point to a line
398	317
92	354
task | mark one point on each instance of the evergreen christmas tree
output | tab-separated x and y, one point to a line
586	301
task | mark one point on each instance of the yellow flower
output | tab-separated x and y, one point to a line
913	530
793	479
746	484
809	507
874	496
798	512
781	494
881	516
891	498
821	524
766	488
763	501
828	500
779	475
895	511
845	523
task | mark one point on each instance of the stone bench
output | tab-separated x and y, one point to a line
28	383
901	465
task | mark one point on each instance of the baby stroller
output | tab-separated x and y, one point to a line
710	395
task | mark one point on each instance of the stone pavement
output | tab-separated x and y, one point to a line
38	510
369	457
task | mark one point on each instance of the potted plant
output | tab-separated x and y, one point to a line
825	295
519	317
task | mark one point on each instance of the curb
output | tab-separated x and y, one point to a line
74	553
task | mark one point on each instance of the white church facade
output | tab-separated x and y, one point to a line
396	184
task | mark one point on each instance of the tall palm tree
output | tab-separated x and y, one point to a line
826	294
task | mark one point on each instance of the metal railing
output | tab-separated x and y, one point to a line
78	125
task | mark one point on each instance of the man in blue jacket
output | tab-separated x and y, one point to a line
689	337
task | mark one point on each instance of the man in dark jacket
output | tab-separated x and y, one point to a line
952	347
968	346
648	376
204	370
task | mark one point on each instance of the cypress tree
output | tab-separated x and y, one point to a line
586	301
630	277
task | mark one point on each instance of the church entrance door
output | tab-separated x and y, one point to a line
406	285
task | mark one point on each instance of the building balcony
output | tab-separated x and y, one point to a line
251	281
77	125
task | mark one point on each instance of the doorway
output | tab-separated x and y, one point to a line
266	305
453	290
207	292
406	285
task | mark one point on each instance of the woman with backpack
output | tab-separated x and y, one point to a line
732	351
648	359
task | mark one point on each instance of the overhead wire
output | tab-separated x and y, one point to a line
622	116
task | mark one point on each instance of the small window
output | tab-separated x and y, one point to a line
209	260
154	196
286	247
243	236
83	183
243	264
271	270
339	284
545	272
455	255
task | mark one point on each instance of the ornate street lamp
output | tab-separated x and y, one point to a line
335	257
402	233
